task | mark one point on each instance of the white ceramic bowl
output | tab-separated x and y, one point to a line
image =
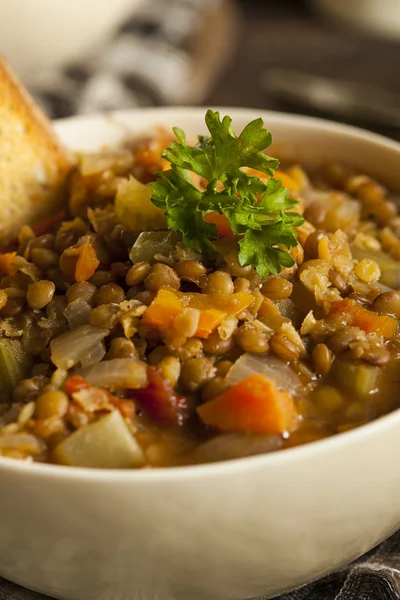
38	35
227	531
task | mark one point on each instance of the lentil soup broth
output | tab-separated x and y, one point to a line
123	347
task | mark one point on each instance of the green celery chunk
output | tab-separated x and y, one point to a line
357	378
390	268
14	366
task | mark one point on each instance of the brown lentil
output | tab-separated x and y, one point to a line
284	348
241	285
12	308
45	258
119	269
213	388
145	297
40	293
122	348
215	345
388	303
101	278
190	270
43	241
29	389
84	289
161	276
360	299
195	373
376	356
158	354
65	239
52	404
223	367
193	348
252	339
217	283
339	282
312	242
276	288
57	277
341	340
137	273
315	213
234	267
109	294
105	315
135	289
322	359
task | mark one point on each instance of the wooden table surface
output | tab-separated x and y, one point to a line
284	33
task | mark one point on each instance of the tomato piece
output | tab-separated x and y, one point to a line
160	401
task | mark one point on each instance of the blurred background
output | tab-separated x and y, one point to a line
334	58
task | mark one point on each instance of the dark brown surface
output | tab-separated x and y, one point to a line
289	36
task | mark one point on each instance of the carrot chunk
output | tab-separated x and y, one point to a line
168	304
253	405
87	262
367	320
221	222
7	263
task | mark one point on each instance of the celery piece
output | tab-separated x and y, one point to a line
105	444
14	366
390	268
357	378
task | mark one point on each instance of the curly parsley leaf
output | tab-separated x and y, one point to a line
256	210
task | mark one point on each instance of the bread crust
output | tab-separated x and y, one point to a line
34	165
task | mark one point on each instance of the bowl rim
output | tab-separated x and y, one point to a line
206	470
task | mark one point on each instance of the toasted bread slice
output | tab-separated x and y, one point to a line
33	163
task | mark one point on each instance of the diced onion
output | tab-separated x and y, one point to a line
68	349
273	368
117	374
77	313
150	243
94	354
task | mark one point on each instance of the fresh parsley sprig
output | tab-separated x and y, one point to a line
266	226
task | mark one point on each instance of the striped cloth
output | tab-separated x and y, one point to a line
157	57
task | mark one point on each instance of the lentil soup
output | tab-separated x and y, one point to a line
131	337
